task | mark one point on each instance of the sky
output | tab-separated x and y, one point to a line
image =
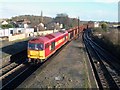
95	10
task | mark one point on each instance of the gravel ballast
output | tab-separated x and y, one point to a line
68	69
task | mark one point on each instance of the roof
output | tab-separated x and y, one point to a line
39	40
4	22
56	34
50	36
46	38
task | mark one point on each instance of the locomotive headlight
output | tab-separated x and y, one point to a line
36	48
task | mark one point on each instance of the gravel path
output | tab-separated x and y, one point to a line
66	70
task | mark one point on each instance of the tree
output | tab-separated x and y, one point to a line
73	22
104	26
62	19
6	26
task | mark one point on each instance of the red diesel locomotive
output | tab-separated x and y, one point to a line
39	49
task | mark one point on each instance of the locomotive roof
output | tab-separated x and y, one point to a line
41	39
46	38
56	34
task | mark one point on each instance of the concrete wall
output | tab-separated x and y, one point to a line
30	34
40	33
4	32
16	37
46	32
12	31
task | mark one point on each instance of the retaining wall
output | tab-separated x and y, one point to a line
30	34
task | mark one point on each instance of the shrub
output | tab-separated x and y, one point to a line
6	26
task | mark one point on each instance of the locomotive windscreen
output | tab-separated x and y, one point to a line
34	46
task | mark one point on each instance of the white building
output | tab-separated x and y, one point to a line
96	24
13	31
26	25
61	25
4	23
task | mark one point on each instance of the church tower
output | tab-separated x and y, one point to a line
41	21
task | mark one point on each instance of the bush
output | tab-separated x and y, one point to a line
104	26
6	26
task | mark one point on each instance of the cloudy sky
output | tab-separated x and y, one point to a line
97	10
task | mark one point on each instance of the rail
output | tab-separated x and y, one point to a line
107	71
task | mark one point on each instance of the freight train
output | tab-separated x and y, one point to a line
41	48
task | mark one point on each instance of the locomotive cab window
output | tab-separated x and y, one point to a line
34	46
31	45
40	46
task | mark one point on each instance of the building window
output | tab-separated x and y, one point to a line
11	31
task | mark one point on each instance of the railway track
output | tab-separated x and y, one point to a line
7	68
17	58
17	73
106	67
10	74
5	65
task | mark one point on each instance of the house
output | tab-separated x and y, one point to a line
93	24
53	26
61	25
90	24
14	24
23	23
4	22
96	24
40	27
